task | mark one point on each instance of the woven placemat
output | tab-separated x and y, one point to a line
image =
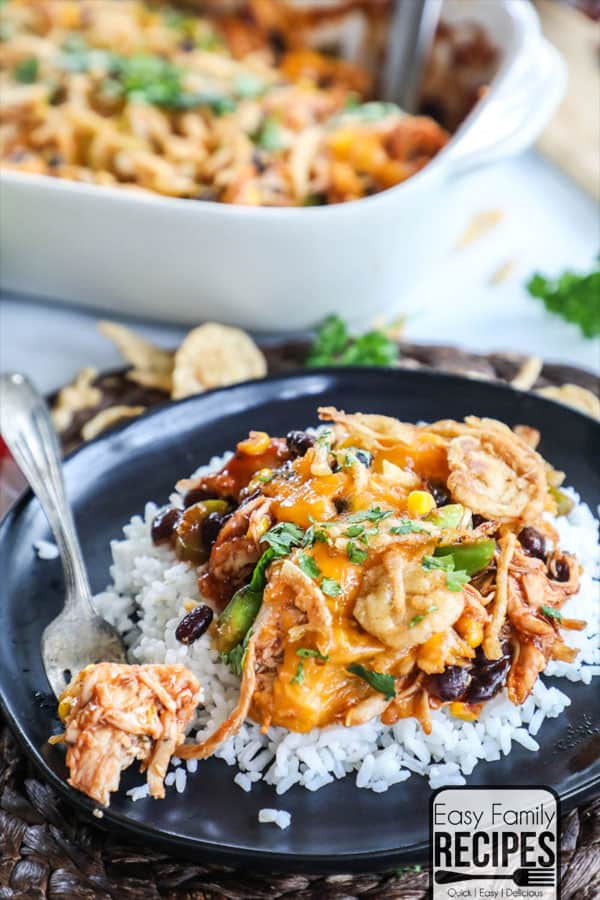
47	852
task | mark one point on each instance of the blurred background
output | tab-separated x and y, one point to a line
536	211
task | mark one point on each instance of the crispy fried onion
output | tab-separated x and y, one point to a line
403	605
369	431
493	471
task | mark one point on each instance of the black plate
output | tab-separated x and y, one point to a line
339	827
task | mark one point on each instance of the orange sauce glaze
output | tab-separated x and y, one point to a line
324	691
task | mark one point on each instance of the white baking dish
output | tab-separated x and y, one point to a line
272	269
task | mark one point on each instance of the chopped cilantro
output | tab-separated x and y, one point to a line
308	565
354	531
314	654
407	527
270	135
282	538
385	684
455	581
313	535
573	296
331	587
419	618
552	613
334	346
299	676
374	514
355	554
235	659
455	578
26	72
248	86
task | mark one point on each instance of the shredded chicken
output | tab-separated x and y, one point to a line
119	713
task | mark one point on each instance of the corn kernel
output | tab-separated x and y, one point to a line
255	444
341	141
63	708
189	605
470	630
463	711
419	503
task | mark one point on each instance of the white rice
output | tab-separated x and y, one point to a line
277	816
46	549
150	582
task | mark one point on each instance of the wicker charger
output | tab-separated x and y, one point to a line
47	852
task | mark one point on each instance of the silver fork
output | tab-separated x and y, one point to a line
408	46
77	636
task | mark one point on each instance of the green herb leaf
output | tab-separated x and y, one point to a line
314	535
374	514
248	86
385	684
552	613
446	563
455	581
354	531
270	135
299	676
331	587
455	578
234	659
407	527
355	554
282	538
26	72
314	654
415	621
308	566
372	111
334	346
573	296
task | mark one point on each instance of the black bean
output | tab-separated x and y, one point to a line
277	42
478	520
194	624
451	684
187	44
488	675
560	571
196	495
299	442
211	528
260	164
164	524
532	542
341	505
364	457
440	493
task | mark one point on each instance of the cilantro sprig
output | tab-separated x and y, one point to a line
455	578
572	296
334	346
379	681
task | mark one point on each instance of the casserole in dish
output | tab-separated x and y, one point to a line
270	268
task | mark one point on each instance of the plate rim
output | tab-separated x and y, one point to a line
260	858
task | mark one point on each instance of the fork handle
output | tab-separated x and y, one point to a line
29	434
443	876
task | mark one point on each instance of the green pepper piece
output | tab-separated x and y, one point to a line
564	504
237	618
469	558
447	516
189	545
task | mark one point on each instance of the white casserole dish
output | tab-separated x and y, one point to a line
272	269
